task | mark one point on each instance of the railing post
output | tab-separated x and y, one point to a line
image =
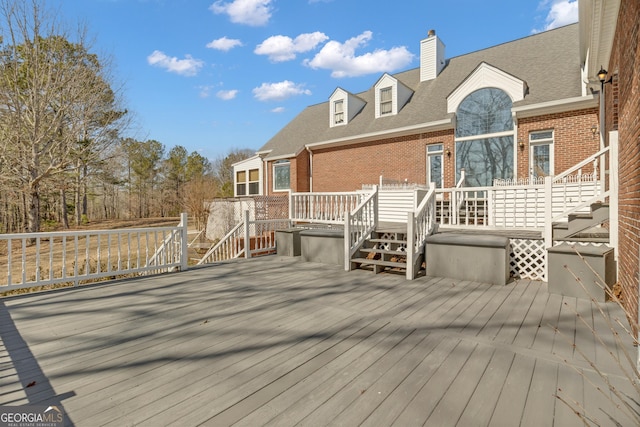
491	208
613	192
247	235
291	210
347	242
184	242
411	244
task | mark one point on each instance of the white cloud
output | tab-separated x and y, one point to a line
279	91
278	110
225	44
249	12
284	48
185	67
227	95
562	12
341	58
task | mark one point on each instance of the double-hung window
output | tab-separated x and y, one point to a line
338	112
386	101
241	183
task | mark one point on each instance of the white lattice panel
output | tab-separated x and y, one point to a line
528	259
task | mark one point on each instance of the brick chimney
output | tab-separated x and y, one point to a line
432	58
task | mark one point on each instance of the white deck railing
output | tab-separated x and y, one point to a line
74	257
421	223
260	234
359	224
326	208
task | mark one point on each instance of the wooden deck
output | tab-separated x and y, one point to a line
275	341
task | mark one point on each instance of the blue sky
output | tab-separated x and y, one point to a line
213	75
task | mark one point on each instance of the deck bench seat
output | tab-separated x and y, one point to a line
325	246
479	258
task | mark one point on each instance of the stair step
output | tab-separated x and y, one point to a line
585	239
379	262
383	251
387	241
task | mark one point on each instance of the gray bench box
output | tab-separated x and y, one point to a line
561	281
288	242
325	246
478	258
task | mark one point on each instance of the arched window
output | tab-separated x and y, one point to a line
485	137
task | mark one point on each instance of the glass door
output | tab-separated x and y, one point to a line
434	164
541	154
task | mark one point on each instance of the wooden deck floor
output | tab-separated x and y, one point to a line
275	341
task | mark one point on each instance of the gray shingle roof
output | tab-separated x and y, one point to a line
548	62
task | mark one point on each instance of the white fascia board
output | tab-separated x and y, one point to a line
558	106
282	157
250	159
374	136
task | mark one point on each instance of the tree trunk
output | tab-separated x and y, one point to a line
33	214
64	213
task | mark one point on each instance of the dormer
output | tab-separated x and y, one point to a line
391	96
343	106
432	59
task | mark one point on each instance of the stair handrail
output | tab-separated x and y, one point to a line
421	223
359	224
228	247
580	165
549	181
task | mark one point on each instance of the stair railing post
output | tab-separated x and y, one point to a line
548	221
411	243
613	192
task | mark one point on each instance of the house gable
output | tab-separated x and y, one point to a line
485	76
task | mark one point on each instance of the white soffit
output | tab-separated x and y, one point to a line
486	76
598	20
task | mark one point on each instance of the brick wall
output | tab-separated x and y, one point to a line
573	138
625	63
404	158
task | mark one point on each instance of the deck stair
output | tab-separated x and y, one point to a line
385	250
584	227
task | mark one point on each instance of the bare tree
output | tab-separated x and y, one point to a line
59	111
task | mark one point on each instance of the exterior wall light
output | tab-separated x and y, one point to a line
594	130
521	144
602	76
447	152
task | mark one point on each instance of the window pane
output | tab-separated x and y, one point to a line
241	176
435	170
541	161
484	111
254	188
254	175
241	189
281	177
386	104
537	136
434	148
485	160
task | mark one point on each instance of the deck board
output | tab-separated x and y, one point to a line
277	341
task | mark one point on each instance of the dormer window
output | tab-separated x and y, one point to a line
386	101
343	107
338	112
391	96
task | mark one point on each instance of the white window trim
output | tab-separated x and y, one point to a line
273	169
546	141
483	77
